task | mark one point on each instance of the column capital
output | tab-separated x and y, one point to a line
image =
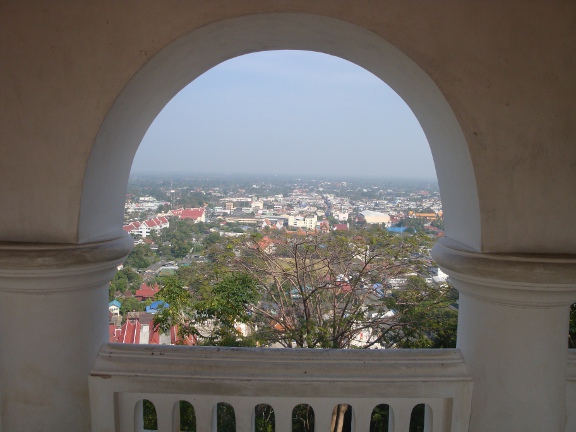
36	268
534	280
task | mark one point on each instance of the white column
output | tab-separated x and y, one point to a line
512	331
53	319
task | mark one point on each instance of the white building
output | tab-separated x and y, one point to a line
307	222
342	216
114	307
145	203
374	217
145	228
257	205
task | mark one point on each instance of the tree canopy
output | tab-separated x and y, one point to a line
140	257
320	290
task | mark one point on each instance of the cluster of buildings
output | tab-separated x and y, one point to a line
308	206
144	229
144	203
304	209
138	327
303	204
161	221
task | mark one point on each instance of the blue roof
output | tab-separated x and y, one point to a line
397	229
156	306
115	303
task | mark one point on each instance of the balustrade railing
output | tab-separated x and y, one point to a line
125	375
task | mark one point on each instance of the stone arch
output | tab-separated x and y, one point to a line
186	58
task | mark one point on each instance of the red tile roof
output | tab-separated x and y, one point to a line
130	333
146	291
114	334
156	222
132	226
191	213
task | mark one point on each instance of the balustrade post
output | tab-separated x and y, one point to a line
53	316
282	416
512	331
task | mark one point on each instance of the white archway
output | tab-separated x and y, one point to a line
185	59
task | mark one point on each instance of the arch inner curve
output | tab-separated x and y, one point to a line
182	61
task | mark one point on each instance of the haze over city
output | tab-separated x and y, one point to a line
287	113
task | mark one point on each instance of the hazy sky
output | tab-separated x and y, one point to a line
287	112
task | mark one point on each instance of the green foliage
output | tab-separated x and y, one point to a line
180	311
140	257
380	419
119	283
232	227
191	199
225	418
197	277
317	291
333	221
111	292
150	417
197	248
166	251
302	418
425	317
231	299
180	247
325	290
134	279
256	236
176	241
123	280
220	250
417	418
413	224
200	228
211	239
131	304
213	313
264	418
187	417
229	303
438	223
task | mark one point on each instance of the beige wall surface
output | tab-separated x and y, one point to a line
506	68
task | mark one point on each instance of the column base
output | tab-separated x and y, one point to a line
513	335
53	312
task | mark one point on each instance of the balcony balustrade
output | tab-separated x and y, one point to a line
125	375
